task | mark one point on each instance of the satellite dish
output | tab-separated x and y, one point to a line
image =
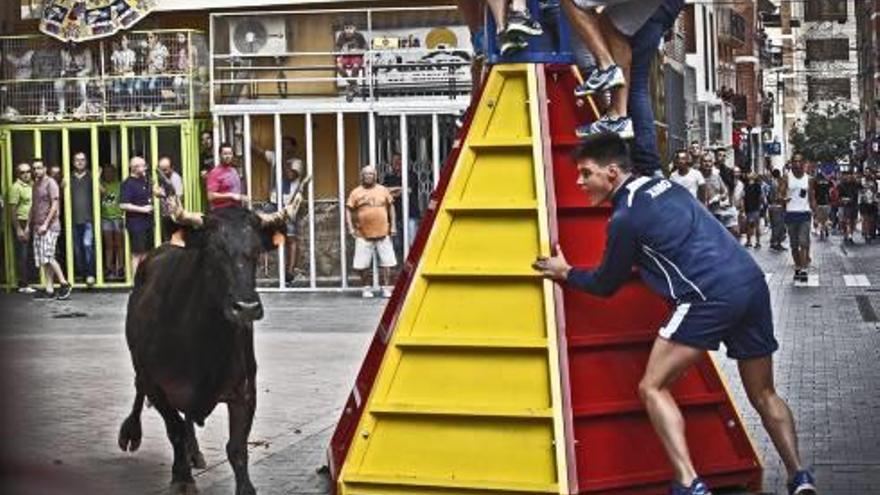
250	36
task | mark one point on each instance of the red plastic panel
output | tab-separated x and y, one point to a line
608	342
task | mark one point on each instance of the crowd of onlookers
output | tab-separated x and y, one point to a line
38	212
798	201
145	76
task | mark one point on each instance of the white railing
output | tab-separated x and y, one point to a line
134	75
350	55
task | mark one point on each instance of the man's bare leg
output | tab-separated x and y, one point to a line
621	53
757	379
667	362
587	27
54	267
499	12
49	275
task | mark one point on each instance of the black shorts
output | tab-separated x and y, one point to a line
743	321
868	209
141	241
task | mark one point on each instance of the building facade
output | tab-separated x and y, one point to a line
868	19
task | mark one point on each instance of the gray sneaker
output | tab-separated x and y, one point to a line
510	42
601	80
622	126
520	21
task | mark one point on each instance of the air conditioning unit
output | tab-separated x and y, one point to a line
258	36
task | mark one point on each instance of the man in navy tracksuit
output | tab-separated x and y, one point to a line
686	255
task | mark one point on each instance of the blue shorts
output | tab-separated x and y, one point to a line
742	320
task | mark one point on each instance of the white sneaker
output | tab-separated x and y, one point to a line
386	292
26	290
367	294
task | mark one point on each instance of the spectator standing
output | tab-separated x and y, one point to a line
157	64
689	178
868	205
350	46
172	185
223	182
753	203
136	201
848	194
717	197
776	212
394	182
822	190
737	197
111	223
124	85
371	221
696	151
800	202
54	171
46	227
82	214
290	181
20	201
206	153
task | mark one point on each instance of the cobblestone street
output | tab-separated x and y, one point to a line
67	385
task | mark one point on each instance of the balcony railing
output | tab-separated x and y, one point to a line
134	75
344	55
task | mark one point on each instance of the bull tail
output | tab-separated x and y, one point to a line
130	432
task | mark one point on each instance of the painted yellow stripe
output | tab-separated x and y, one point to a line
467	397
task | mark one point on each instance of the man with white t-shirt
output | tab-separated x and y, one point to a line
691	179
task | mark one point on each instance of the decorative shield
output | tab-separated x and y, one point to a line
80	20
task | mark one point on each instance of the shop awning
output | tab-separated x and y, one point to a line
81	20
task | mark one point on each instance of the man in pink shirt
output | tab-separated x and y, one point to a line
223	183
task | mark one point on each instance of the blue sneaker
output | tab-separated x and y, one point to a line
622	126
601	80
698	487
803	483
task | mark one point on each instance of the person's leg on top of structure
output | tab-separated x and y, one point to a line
612	53
513	24
645	43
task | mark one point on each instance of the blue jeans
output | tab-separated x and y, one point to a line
84	249
644	45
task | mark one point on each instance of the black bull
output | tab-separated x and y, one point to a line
190	332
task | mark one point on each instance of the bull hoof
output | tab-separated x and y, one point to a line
183	488
130	434
247	489
198	461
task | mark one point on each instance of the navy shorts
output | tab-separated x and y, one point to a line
742	320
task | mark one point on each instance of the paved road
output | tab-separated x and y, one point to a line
67	384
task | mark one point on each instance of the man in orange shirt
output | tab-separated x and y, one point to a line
369	214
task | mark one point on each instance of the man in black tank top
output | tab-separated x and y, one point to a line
821	187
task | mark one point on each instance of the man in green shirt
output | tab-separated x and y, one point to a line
20	199
111	223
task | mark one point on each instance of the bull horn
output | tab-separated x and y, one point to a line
270	219
183	217
290	209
